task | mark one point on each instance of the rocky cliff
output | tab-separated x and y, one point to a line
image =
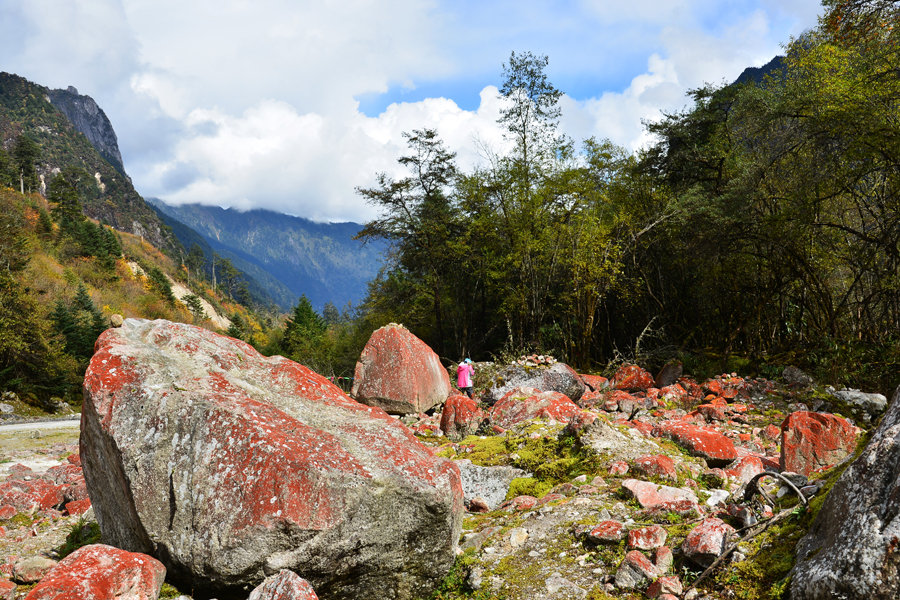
89	119
109	196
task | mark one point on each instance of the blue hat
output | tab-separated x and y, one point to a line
469	361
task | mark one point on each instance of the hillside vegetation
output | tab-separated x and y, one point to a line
62	276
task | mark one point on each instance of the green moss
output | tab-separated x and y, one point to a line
528	486
763	575
19	520
454	586
168	591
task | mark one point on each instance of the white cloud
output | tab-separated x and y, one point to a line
253	103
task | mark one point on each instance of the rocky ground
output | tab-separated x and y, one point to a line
634	490
640	492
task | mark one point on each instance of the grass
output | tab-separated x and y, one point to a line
83	533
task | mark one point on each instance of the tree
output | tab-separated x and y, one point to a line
192	301
161	284
195	260
420	221
63	194
532	111
303	339
26	153
8	175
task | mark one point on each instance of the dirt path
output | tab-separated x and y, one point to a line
72	423
38	445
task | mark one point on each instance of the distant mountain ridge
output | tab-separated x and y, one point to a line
288	255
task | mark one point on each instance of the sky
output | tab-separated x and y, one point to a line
290	105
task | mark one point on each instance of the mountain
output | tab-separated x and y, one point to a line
757	74
57	121
289	255
264	288
89	119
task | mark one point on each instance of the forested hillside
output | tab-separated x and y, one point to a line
63	275
761	227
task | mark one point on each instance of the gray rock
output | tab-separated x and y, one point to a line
794	377
607	441
6	409
851	550
669	374
489	483
557	377
861	405
229	466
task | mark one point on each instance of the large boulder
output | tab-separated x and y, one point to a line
851	550
229	466
399	373
811	441
861	405
100	572
522	404
555	377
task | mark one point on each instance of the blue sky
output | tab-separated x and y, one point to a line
288	105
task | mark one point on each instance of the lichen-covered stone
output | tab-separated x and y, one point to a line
706	542
101	572
657	465
522	404
851	550
632	378
811	440
229	466
710	445
635	571
557	377
650	495
647	538
461	417
399	373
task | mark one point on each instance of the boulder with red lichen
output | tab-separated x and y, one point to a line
710	445
607	532
647	538
706	542
399	373
522	404
632	378
461	417
228	465
657	465
810	441
100	572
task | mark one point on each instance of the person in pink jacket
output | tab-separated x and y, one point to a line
465	373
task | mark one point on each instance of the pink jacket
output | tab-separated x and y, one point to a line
464	373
